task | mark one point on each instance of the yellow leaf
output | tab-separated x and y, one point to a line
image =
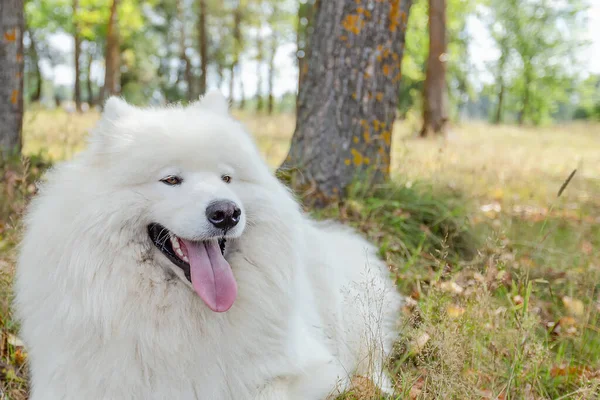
454	311
574	307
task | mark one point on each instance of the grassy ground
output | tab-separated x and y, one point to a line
503	275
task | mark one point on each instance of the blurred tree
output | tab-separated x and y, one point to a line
32	66
435	98
238	13
12	28
186	63
260	55
202	45
77	56
537	40
459	72
348	98
112	75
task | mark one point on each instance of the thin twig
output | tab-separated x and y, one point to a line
564	185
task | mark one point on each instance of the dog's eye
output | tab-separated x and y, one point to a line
226	178
172	180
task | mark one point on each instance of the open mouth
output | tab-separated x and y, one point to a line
203	264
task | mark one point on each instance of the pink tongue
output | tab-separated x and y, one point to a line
211	274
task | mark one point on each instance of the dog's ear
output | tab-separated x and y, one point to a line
115	107
105	136
214	101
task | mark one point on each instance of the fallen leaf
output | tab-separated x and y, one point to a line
451	287
20	357
478	277
564	370
587	248
14	341
454	311
574	307
420	342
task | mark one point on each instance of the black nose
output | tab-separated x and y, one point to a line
223	214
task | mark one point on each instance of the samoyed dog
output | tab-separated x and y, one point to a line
166	261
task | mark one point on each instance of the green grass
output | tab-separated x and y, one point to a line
502	276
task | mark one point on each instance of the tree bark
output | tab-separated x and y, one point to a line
259	75
88	77
500	79
242	95
77	56
185	60
203	50
12	27
112	77
305	13
499	109
271	78
237	46
348	98
35	60
435	99
231	80
524	113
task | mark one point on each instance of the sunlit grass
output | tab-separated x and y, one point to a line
503	276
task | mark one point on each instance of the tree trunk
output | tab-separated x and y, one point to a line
499	109
185	60
237	46
259	75
203	50
348	98
242	95
35	60
271	77
304	22
112	76
504	49
77	56
88	77
231	80
12	27
524	113
435	99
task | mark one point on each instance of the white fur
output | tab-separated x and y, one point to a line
104	317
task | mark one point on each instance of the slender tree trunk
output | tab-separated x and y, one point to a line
524	113
271	78
88	77
185	60
237	46
220	74
35	60
259	61
112	76
499	109
242	95
500	79
77	56
435	99
231	80
12	27
203	46
348	98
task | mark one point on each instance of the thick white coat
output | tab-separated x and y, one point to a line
105	315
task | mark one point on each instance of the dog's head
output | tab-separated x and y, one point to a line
186	176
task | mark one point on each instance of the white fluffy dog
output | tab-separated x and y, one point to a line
167	262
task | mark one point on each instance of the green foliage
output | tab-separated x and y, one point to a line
536	64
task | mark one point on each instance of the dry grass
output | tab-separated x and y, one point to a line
518	318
